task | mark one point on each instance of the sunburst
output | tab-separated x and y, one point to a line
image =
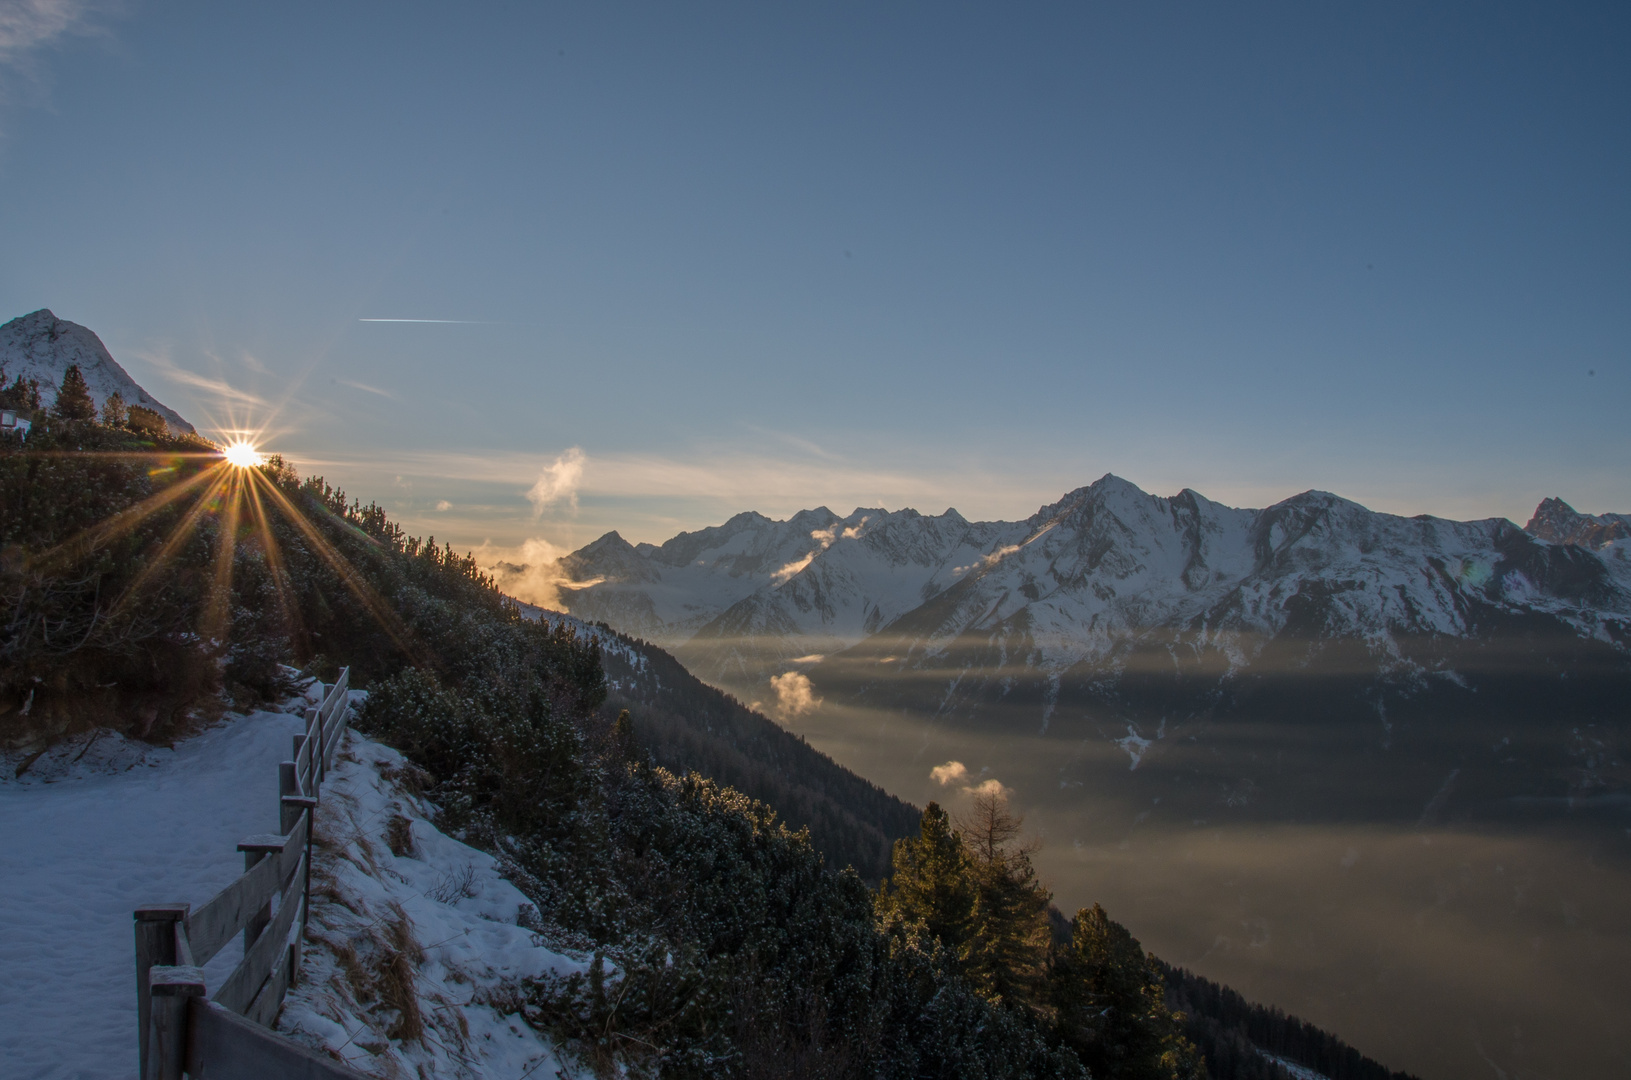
242	455
235	491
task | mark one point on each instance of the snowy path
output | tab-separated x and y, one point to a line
77	856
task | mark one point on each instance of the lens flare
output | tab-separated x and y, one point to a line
229	489
243	455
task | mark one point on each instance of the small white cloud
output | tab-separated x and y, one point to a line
443	504
558	482
795	695
955	772
990	558
792	569
824	538
812	658
992	786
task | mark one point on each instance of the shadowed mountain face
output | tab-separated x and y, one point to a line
40	346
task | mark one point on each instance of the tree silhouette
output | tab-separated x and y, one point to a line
1009	951
74	397
1111	1006
113	410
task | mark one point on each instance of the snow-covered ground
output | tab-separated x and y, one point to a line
413	961
99	826
82	844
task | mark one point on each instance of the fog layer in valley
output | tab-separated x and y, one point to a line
1474	941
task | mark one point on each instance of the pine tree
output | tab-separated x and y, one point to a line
932	883
1111	1006
74	397
113	410
22	395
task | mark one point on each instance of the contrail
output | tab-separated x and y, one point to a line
462	322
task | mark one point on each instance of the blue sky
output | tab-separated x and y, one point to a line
710	258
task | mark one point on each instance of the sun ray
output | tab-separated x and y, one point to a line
218	608
349	575
234	489
177	537
82	544
288	608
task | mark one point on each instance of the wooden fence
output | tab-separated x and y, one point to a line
227	1035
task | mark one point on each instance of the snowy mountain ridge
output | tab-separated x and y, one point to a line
1081	578
40	346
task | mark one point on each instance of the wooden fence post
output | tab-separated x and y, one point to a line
155	944
288	788
169	989
255	850
314	742
300	804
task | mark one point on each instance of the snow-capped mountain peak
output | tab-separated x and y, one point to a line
40	346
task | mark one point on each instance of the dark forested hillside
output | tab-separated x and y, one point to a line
687	725
1234	1034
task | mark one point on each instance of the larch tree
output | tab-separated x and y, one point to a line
1008	953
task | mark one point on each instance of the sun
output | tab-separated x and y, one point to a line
243	455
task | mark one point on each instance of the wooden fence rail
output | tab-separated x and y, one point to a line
225	1035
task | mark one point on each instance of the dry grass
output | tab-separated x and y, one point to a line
394	978
399	836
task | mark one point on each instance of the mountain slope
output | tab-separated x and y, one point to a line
686	726
40	346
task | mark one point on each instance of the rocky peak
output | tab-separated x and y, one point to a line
1555	521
